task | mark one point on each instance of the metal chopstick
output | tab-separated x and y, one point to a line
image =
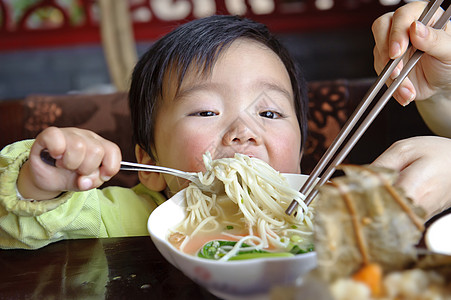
428	12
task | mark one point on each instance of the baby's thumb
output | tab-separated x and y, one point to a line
87	182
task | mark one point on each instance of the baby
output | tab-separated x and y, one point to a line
221	84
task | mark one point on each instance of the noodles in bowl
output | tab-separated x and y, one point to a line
244	277
250	211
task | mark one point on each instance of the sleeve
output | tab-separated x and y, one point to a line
12	158
436	113
110	212
34	224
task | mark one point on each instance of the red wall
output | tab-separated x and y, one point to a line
299	16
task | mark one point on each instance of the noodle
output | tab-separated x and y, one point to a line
255	199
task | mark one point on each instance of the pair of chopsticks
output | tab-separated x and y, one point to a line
425	17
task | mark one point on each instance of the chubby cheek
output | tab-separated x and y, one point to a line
191	146
284	156
193	156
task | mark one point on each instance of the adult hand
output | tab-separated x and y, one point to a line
424	164
432	74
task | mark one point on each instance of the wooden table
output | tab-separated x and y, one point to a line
112	268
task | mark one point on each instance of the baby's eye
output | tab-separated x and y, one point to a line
206	113
270	114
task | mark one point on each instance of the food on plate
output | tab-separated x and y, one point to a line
366	238
417	284
363	218
247	219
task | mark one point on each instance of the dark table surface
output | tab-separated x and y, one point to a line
111	268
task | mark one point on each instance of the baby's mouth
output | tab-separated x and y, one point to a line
231	155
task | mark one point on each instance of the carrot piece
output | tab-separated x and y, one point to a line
371	275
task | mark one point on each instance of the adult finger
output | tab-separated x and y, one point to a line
403	17
380	29
400	154
434	42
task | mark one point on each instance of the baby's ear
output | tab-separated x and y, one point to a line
153	181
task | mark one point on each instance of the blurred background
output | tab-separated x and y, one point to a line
62	46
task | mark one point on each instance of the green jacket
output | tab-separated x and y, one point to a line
108	212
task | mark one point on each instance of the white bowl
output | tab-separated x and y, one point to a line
436	235
233	279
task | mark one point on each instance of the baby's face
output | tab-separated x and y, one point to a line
245	106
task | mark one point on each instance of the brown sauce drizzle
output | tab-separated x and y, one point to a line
360	238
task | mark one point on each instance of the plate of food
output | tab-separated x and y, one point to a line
369	240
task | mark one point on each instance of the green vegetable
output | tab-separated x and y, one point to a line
297	250
211	250
296	239
229	227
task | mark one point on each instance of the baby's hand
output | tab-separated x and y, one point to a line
84	160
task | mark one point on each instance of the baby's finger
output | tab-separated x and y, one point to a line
75	153
53	140
111	160
93	158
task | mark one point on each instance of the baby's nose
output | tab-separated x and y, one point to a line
240	132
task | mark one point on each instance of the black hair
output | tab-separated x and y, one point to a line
199	42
